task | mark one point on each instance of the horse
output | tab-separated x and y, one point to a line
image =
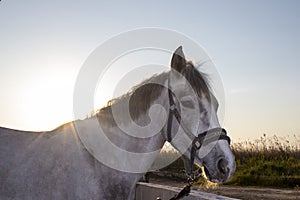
104	156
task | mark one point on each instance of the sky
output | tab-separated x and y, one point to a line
255	46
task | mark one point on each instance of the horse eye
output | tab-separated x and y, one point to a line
188	103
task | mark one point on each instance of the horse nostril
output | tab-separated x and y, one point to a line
222	166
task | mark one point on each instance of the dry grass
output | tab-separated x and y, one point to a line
268	161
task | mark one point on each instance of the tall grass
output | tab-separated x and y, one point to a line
268	148
268	161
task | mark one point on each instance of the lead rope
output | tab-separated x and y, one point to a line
187	189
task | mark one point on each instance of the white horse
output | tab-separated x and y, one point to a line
104	156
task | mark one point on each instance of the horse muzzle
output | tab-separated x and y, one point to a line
222	171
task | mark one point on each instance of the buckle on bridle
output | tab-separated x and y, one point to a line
172	107
197	144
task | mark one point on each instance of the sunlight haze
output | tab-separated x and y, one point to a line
255	46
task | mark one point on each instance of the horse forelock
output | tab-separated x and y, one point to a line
198	80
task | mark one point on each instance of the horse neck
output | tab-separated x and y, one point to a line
112	135
143	134
144	119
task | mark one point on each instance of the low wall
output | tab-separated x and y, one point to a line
150	191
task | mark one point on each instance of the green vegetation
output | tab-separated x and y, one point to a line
267	161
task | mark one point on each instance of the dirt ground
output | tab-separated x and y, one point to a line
247	193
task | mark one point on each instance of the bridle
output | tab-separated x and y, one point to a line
202	139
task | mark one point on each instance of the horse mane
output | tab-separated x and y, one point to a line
142	96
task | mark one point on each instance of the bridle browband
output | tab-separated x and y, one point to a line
202	139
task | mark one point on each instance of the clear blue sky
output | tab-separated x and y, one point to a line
254	44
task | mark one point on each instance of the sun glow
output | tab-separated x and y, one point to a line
47	103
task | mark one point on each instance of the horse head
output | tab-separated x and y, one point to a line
193	127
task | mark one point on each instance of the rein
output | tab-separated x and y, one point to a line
202	139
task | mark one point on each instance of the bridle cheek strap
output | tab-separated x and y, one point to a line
173	111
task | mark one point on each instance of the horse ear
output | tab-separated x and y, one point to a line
178	61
